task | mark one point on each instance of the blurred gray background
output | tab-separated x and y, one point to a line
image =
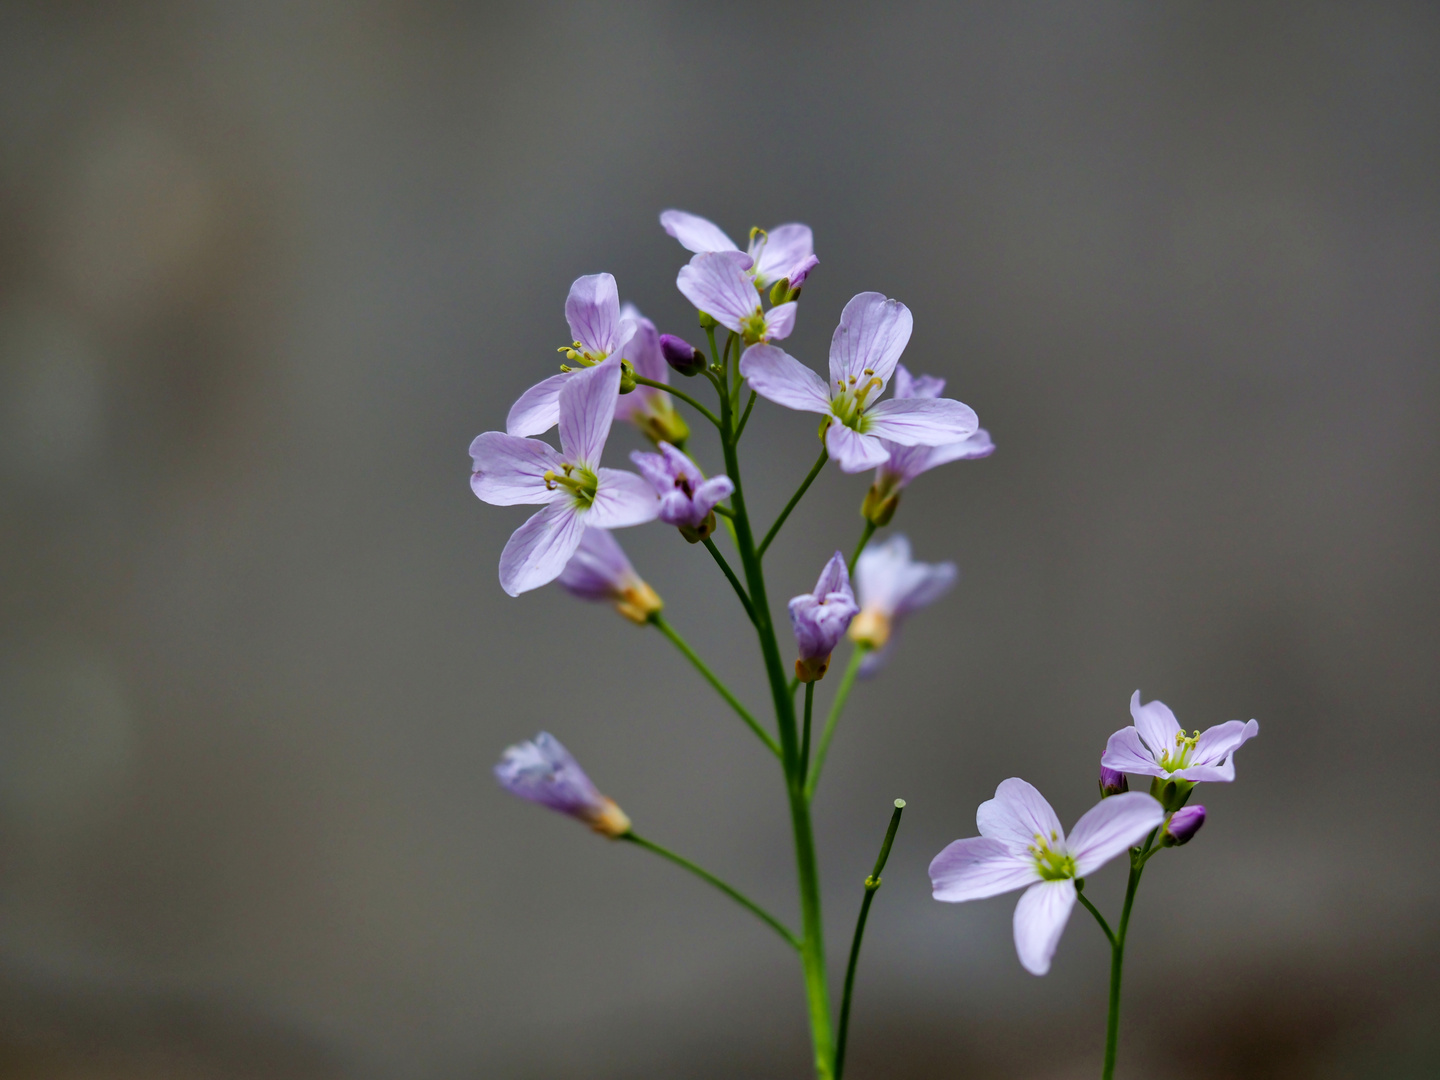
265	269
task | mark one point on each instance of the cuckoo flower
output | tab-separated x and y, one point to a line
1021	843
1158	746
593	311
716	283
543	772
891	585
649	409
905	463
599	570
820	619
785	253
864	350
687	499
572	486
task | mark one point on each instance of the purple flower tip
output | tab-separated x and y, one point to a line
821	618
1183	825
681	355
542	771
687	499
1112	782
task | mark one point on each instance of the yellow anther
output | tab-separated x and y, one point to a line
869	371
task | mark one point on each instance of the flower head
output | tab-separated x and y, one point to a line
1182	826
1022	844
864	351
543	772
601	330
599	570
785	253
891	585
1158	746
820	619
572	486
649	409
717	284
687	499
1112	782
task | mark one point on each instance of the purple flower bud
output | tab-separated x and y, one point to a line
542	771
687	499
1112	782
1183	824
599	570
801	272
821	618
681	355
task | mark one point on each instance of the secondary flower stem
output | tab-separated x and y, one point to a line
710	677
872	885
1104	926
730	576
745	419
805	735
804	487
1117	960
729	890
837	706
640	380
860	547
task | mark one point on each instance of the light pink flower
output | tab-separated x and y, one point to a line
1022	844
786	252
716	283
1158	746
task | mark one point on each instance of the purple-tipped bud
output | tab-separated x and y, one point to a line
821	618
1183	824
1112	782
800	273
542	771
681	355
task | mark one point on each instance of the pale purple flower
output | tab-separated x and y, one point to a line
1112	782
905	463
575	490
687	499
649	409
864	350
593	312
1022	844
786	252
543	772
681	355
716	283
820	619
891	585
1182	826
1158	746
600	571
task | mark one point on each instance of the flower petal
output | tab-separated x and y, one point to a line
695	233
784	249
599	569
712	491
511	470
921	421
587	408
1156	723
907	385
593	311
1216	744
538	551
1214	774
1111	826
777	376
976	868
1040	919
1017	814
716	283
852	451
979	445
1126	753
834	578
622	499
780	321
872	334
538	409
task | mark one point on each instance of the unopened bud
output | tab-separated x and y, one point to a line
879	506
1183	825
699	532
812	669
1112	782
707	322
780	291
800	273
638	602
681	355
1172	794
627	377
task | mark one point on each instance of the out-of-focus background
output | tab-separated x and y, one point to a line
265	269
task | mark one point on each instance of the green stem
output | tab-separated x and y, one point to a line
799	494
864	539
725	511
1104	926
837	706
872	885
745	418
710	677
1117	959
640	380
729	890
730	576
805	733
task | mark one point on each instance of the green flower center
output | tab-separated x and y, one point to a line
752	327
1179	757
576	479
1052	865
848	405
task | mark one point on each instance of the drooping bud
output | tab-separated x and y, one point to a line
687	498
1112	782
821	618
542	771
681	355
1182	826
599	570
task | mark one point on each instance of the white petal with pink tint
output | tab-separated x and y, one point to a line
1040	919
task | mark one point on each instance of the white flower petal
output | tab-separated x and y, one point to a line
852	451
872	334
921	421
1040	919
587	409
1017	814
593	311
977	867
538	551
777	376
780	321
1156	723
1126	753
1111	826
695	233
538	409
510	470
622	499
1216	744
716	283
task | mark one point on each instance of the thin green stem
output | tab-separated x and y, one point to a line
745	418
865	536
640	380
1104	926
1117	958
728	889
710	677
837	706
805	731
799	494
730	576
872	885
725	511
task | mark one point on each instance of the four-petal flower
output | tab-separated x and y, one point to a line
687	499
716	283
785	253
1158	746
